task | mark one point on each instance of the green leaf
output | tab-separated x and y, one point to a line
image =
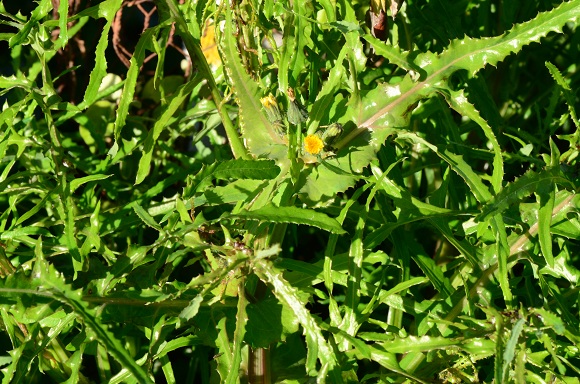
350	323
317	344
23	232
235	191
246	169
435	274
458	101
427	343
511	345
9	82
176	101
44	281
222	342
551	320
269	321
389	360
191	310
562	269
44	6
326	97
273	214
130	84
62	22
105	9
297	29
393	54
388	105
100	69
522	187
547	196
259	134
74	184
145	216
239	333
502	251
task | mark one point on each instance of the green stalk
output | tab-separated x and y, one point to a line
194	49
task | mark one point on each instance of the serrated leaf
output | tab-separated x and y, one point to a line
474	54
388	106
522	187
222	342
130	84
9	82
551	320
457	164
246	169
546	197
145	216
427	343
562	269
239	333
510	348
259	134
20	232
350	321
235	169
192	308
325	97
100	70
458	101
235	191
36	16
557	75
392	53
44	281
435	274
273	214
174	103
62	22
317	344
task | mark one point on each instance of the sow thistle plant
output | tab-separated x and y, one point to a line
318	144
391	203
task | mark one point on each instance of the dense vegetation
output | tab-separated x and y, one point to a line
289	191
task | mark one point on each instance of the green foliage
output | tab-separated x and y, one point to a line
320	205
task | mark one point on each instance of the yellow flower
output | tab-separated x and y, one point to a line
313	144
269	101
209	46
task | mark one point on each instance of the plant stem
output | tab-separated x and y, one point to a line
194	49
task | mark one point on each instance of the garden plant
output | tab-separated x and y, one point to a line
261	191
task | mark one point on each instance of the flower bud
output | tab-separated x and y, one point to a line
331	134
271	107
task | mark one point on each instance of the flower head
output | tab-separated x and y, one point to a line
269	101
271	107
313	144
